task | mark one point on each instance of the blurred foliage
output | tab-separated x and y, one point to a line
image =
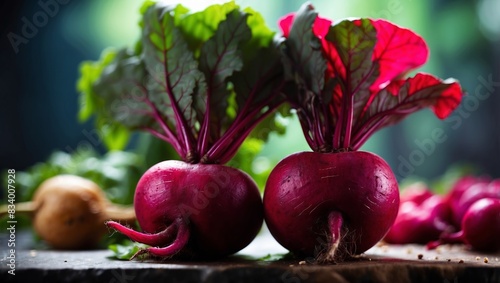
116	172
443	183
114	135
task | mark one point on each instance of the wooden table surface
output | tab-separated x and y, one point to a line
382	263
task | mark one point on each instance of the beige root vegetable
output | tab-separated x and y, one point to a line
69	211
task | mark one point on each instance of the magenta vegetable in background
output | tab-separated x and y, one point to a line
453	197
474	203
349	83
422	217
475	192
480	227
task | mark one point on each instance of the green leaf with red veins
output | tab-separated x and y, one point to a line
220	57
304	51
182	82
353	41
256	85
125	102
303	62
254	91
175	77
258	80
122	87
199	27
261	65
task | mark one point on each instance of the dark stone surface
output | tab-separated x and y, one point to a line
380	264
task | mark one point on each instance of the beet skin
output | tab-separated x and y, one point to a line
330	205
204	210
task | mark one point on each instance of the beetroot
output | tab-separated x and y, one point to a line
480	227
348	83
175	200
474	203
454	196
473	193
425	218
201	82
311	194
420	221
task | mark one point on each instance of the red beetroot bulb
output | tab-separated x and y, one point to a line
206	210
331	205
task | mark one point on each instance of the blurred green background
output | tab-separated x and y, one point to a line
39	102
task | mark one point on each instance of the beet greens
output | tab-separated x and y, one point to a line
350	78
200	87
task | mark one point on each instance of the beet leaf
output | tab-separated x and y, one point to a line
349	78
199	81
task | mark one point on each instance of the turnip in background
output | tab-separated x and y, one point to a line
201	82
337	201
68	212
